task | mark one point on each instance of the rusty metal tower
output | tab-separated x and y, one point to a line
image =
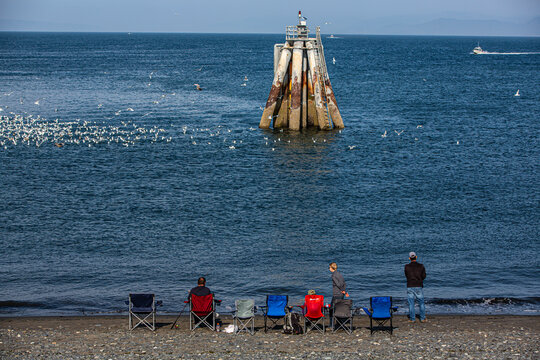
301	95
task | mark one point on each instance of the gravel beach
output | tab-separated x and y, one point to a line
108	337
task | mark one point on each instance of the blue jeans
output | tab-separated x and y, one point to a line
418	294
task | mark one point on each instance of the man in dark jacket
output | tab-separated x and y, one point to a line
200	289
415	273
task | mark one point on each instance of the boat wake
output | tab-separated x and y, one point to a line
506	53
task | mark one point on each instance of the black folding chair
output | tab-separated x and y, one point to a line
342	316
142	310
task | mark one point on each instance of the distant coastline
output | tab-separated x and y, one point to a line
442	26
339	36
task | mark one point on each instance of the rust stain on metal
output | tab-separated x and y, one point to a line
274	93
295	91
330	93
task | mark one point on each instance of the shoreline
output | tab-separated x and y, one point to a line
108	336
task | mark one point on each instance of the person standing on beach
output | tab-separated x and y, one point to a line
415	274
338	286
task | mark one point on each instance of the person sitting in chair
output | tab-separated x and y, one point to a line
303	306
200	289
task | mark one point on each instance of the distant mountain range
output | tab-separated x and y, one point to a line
21	25
383	26
447	26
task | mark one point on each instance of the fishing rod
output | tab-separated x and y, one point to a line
186	303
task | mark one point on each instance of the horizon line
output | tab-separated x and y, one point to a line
248	33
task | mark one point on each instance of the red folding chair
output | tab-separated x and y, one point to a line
313	316
202	311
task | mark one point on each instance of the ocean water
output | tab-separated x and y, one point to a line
116	176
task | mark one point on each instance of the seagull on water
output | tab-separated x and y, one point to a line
517	93
198	87
384	135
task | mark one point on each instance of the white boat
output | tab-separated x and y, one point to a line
478	50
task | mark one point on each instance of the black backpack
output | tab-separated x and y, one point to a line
297	327
287	326
293	324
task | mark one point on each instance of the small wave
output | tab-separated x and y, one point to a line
20	304
488	301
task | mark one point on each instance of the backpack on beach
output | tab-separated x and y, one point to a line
287	326
292	324
296	325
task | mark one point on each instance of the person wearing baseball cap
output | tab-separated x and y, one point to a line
415	274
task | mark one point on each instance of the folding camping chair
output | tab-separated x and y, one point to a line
202	311
380	310
276	309
142	309
313	316
342	316
244	316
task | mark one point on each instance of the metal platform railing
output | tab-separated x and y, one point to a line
294	33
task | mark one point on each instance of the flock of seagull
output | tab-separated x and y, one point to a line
30	130
25	129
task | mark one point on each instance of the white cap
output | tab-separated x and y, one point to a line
412	254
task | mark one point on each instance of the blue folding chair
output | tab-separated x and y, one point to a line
276	309
380	311
142	310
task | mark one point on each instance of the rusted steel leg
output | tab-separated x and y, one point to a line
282	116
311	109
332	106
268	113
304	90
296	86
324	124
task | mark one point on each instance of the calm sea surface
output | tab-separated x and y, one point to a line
153	184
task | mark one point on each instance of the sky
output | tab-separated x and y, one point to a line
255	16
